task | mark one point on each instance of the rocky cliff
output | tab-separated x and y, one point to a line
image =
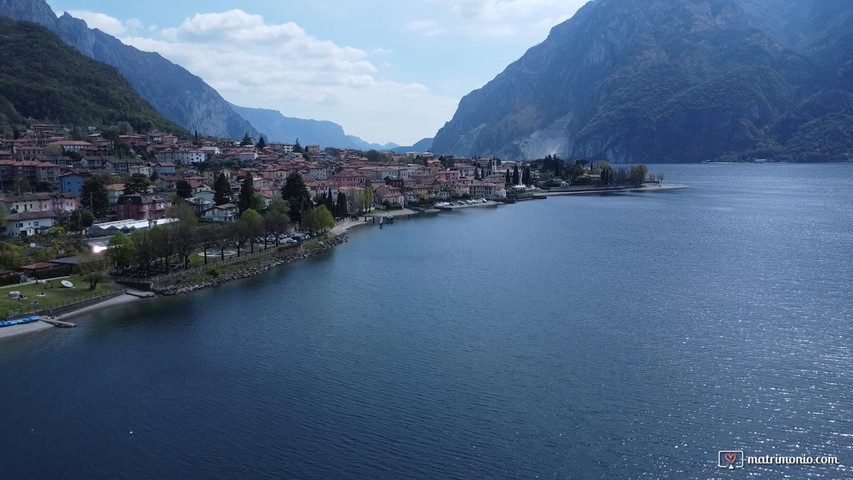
672	80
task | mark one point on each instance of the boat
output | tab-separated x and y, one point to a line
19	321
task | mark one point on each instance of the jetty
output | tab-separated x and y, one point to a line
58	323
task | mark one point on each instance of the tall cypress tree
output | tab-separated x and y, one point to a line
247	194
221	190
515	178
508	178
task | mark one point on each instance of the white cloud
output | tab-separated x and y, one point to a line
280	66
490	19
106	23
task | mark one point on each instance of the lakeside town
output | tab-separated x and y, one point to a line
157	212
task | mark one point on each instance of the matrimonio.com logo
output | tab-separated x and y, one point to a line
732	459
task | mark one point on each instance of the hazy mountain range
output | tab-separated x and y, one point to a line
673	80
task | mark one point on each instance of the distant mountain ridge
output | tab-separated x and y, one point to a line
45	79
672	80
173	91
279	128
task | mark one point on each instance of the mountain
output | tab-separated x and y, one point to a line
45	79
672	80
278	128
423	145
173	91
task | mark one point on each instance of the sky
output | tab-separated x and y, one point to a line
386	70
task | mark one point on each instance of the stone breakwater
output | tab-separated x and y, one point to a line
274	260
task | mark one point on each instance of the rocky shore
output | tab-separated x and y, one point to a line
274	260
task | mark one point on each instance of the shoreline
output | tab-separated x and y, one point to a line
338	234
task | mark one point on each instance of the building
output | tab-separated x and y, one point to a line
222	213
26	224
142	207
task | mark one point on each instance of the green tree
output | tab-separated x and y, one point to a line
366	199
143	248
296	194
247	194
138	183
22	186
124	128
515	177
93	269
4	215
323	218
183	189
525	176
297	148
508	177
247	140
252	224
120	251
221	190
261	144
94	196
638	175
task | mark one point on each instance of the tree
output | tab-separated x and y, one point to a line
296	194
208	237
446	163
508	177
261	144
525	176
93	269
138	183
252	225
341	206
247	194
184	233
515	178
366	199
297	148
274	224
247	140
22	186
638	175
221	190
373	156
124	128
184	189
323	218
80	220
163	242
120	251
143	248
94	196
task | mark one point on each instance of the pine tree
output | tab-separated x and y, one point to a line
515	178
261	144
508	178
221	190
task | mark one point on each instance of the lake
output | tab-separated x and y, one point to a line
624	336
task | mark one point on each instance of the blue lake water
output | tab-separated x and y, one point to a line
627	336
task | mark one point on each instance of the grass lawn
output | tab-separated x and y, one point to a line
57	296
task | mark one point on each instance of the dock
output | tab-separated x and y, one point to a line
58	323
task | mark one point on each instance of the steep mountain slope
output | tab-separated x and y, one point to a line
672	80
169	88
45	79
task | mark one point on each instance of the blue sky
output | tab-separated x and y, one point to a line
388	71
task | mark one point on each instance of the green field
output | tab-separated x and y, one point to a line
48	296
